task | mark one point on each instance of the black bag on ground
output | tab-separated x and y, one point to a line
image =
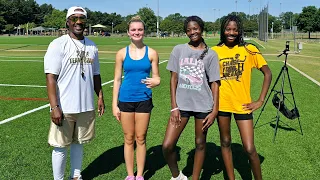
290	114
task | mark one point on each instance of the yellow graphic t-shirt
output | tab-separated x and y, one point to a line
235	72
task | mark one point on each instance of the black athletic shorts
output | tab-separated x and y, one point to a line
236	116
197	115
139	107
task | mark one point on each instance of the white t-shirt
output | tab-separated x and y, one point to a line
75	92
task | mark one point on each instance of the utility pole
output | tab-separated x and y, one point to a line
112	28
236	7
158	19
219	16
249	8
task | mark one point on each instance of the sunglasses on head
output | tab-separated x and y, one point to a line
75	19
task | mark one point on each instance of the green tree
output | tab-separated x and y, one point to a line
149	18
287	19
173	23
318	20
45	9
2	23
276	24
308	18
208	26
121	28
250	26
9	28
57	19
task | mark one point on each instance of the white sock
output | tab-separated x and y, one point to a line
76	156
59	162
178	177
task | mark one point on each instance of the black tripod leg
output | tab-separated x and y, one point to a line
276	128
281	99
294	101
272	89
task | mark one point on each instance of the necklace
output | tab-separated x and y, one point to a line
80	54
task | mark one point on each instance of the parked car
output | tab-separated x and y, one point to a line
106	34
164	34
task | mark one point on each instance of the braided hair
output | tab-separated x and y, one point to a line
200	22
239	40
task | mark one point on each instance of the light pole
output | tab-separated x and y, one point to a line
236	7
260	6
249	8
112	28
253	12
158	19
219	16
272	30
214	14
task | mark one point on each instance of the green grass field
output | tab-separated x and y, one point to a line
25	154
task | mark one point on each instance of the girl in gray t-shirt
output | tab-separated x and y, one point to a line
194	87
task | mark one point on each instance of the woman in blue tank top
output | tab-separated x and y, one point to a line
132	98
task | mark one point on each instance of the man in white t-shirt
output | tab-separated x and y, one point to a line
73	75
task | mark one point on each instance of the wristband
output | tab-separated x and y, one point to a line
174	109
56	106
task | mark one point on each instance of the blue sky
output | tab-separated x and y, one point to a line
202	8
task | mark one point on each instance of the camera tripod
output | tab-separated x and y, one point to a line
281	93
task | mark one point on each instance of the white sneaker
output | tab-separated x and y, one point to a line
79	178
180	177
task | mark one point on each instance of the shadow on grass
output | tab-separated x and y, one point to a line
241	162
213	163
156	161
17	47
288	128
112	158
105	163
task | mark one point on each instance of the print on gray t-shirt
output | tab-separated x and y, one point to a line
193	92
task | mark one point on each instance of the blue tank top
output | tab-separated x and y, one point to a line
132	90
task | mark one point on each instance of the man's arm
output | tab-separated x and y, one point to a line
56	112
99	92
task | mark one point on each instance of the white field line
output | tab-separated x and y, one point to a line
19	85
21	61
21	57
12	60
304	74
47	105
23	114
104	62
259	44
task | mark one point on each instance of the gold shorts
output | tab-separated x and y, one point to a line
76	128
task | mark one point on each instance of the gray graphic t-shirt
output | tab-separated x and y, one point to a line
193	92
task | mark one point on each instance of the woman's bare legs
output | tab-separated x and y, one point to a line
200	152
128	127
247	137
169	143
225	141
141	127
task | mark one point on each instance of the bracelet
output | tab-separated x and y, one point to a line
56	106
174	109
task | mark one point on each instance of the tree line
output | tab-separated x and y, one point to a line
22	13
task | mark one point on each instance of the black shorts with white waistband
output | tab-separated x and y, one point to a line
197	115
139	107
236	116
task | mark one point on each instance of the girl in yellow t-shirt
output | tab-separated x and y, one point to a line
236	59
